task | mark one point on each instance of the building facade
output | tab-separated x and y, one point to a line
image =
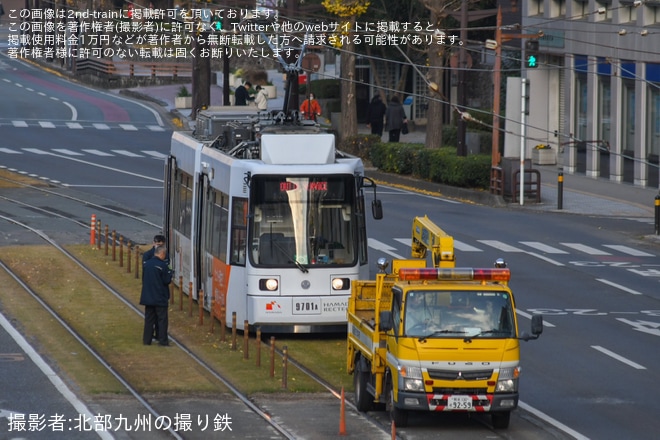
595	95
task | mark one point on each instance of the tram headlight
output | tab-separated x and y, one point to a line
341	284
269	284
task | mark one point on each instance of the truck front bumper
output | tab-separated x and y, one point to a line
441	402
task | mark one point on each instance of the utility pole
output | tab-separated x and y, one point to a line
497	78
523	134
201	72
461	149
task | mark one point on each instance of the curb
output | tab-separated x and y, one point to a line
408	182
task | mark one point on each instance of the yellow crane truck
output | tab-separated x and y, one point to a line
436	338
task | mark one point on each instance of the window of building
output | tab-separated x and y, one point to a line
653	131
581	104
580	9
605	99
604	124
651	13
606	7
558	8
629	116
581	67
627	11
535	7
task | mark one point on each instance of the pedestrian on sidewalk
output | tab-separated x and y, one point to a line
376	114
261	99
241	94
395	117
310	108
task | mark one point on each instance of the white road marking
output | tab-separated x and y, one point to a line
155	154
557	424
500	246
586	249
68	152
618	286
98	153
543	247
628	250
127	153
618	357
380	246
57	382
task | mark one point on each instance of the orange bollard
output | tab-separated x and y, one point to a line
342	414
393	430
92	231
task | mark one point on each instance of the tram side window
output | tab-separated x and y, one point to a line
239	214
182	217
219	225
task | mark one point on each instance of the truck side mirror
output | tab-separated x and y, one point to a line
537	328
377	209
386	323
537	325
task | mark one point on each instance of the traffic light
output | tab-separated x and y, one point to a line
216	23
532	61
531	54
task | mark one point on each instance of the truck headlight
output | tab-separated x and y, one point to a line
507	386
411	378
507	381
413	384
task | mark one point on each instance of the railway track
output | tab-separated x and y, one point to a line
269	421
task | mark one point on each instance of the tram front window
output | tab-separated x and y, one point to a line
303	221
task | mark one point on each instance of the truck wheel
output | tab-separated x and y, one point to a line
363	400
501	420
397	415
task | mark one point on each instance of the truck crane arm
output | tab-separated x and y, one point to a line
427	235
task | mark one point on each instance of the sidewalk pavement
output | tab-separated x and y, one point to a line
581	194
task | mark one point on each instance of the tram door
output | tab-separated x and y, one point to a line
199	249
214	270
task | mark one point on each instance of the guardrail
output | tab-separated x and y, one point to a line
531	185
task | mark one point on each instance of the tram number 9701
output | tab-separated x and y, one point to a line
307	307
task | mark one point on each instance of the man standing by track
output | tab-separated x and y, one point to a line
156	278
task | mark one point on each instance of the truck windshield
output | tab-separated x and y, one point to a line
300	221
459	314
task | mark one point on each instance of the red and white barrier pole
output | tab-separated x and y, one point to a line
92	230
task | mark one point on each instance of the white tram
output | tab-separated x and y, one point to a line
267	219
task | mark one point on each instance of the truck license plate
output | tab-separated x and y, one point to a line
459	402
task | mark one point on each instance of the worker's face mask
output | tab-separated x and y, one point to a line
311	96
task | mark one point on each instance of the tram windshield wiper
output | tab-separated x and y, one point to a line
279	247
